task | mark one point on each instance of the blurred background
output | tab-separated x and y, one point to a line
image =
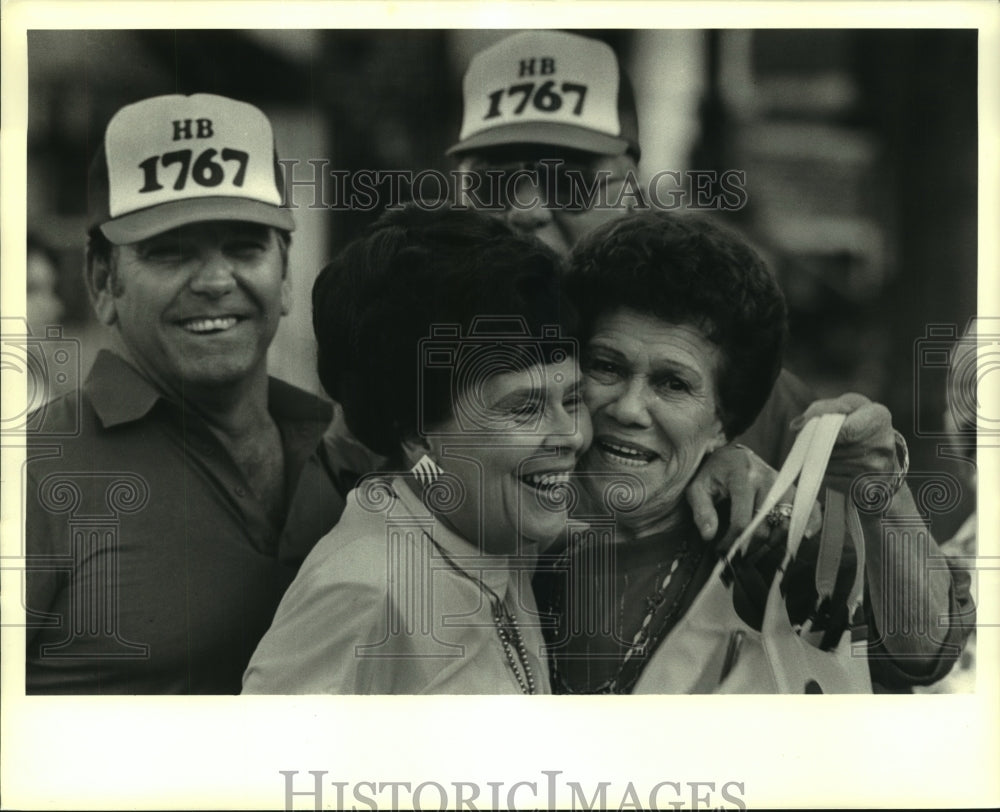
859	148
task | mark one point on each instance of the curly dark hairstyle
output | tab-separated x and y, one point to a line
684	269
413	270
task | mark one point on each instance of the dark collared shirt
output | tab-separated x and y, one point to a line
152	566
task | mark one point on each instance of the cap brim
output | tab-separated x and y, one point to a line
145	223
552	134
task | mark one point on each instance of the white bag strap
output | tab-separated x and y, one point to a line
840	520
857	534
802	456
831	544
811	478
786	478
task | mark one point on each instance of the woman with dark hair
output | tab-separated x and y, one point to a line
447	342
684	329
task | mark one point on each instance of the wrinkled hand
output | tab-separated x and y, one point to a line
732	472
866	442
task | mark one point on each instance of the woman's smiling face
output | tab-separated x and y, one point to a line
532	427
651	391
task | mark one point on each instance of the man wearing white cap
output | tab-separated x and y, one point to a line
155	495
550	95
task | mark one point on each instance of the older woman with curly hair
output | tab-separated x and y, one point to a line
684	328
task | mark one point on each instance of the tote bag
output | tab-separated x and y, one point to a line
713	650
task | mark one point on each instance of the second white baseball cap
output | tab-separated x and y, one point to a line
548	87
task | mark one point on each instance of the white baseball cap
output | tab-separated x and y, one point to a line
171	160
548	87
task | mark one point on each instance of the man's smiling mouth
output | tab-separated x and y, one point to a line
203	325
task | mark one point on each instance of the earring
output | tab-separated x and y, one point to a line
427	471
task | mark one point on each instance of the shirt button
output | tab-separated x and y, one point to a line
240	491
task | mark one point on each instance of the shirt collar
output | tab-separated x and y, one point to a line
120	394
494	571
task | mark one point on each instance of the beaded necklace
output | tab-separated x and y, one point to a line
506	626
644	638
674	584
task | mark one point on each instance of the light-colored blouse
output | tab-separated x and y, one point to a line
389	602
